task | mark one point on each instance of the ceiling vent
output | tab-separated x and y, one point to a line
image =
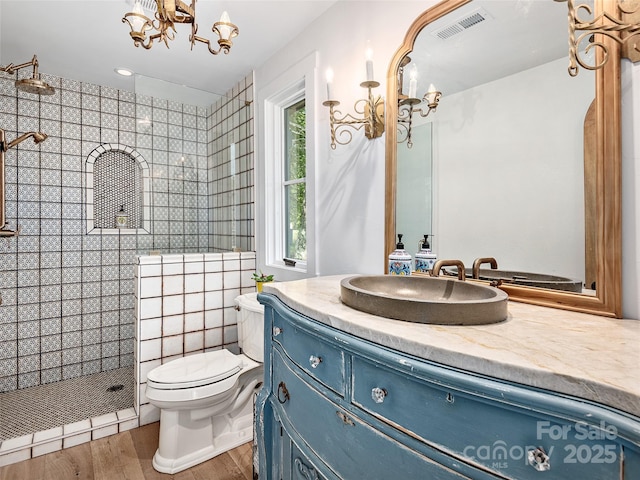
472	19
149	6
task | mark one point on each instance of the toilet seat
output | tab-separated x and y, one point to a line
195	370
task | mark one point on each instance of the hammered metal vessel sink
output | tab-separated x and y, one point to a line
433	300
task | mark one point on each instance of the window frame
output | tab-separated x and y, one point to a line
292	85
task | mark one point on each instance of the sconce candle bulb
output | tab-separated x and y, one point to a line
413	82
329	76
369	64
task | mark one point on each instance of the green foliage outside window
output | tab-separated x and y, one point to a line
295	186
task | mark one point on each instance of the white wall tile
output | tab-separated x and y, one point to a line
172	305
213	318
172	345
172	284
150	307
150	349
194	341
146	367
150	328
150	287
213	300
149	414
172	325
193	321
230	297
194	302
194	283
231	280
213	281
213	338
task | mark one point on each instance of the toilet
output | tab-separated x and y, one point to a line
206	399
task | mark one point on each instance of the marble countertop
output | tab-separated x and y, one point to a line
587	356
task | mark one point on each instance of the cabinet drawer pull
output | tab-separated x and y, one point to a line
378	394
277	331
345	419
314	361
283	393
538	459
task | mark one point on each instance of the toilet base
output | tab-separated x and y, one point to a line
222	443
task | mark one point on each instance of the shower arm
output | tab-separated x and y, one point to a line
11	68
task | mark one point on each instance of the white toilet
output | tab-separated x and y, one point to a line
206	399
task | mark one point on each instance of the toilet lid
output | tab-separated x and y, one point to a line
195	370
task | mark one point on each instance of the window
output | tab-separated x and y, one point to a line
294	183
285	180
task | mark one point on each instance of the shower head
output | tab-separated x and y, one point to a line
34	85
38	137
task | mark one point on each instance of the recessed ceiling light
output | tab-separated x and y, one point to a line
125	72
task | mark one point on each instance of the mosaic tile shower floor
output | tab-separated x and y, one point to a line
47	406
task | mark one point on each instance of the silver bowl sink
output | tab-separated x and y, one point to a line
434	300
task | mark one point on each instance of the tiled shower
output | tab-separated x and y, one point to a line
68	295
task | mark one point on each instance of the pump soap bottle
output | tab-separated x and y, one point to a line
425	258
400	260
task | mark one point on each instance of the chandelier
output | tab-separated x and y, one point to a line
168	14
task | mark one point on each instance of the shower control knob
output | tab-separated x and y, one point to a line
378	394
315	361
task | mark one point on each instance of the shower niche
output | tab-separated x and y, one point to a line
118	191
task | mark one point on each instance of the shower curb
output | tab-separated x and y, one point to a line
13	450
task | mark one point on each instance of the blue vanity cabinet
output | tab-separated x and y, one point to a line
338	407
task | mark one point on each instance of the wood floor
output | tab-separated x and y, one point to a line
126	456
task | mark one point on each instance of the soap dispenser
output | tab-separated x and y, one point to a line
400	260
425	258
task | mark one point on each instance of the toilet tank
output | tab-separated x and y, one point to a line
250	319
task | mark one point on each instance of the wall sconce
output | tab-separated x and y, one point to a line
371	109
170	12
407	103
627	35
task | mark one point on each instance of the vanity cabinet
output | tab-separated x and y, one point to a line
335	406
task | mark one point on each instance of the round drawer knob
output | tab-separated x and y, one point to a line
378	394
538	459
276	331
314	361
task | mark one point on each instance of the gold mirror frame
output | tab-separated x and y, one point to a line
608	216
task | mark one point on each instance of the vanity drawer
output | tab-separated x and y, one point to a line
355	448
482	430
311	353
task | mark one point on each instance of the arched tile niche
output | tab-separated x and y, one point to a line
117	177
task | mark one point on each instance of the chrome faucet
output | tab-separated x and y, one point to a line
480	261
449	263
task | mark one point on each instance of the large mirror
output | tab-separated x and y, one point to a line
519	161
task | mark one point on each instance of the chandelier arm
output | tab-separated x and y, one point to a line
196	38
